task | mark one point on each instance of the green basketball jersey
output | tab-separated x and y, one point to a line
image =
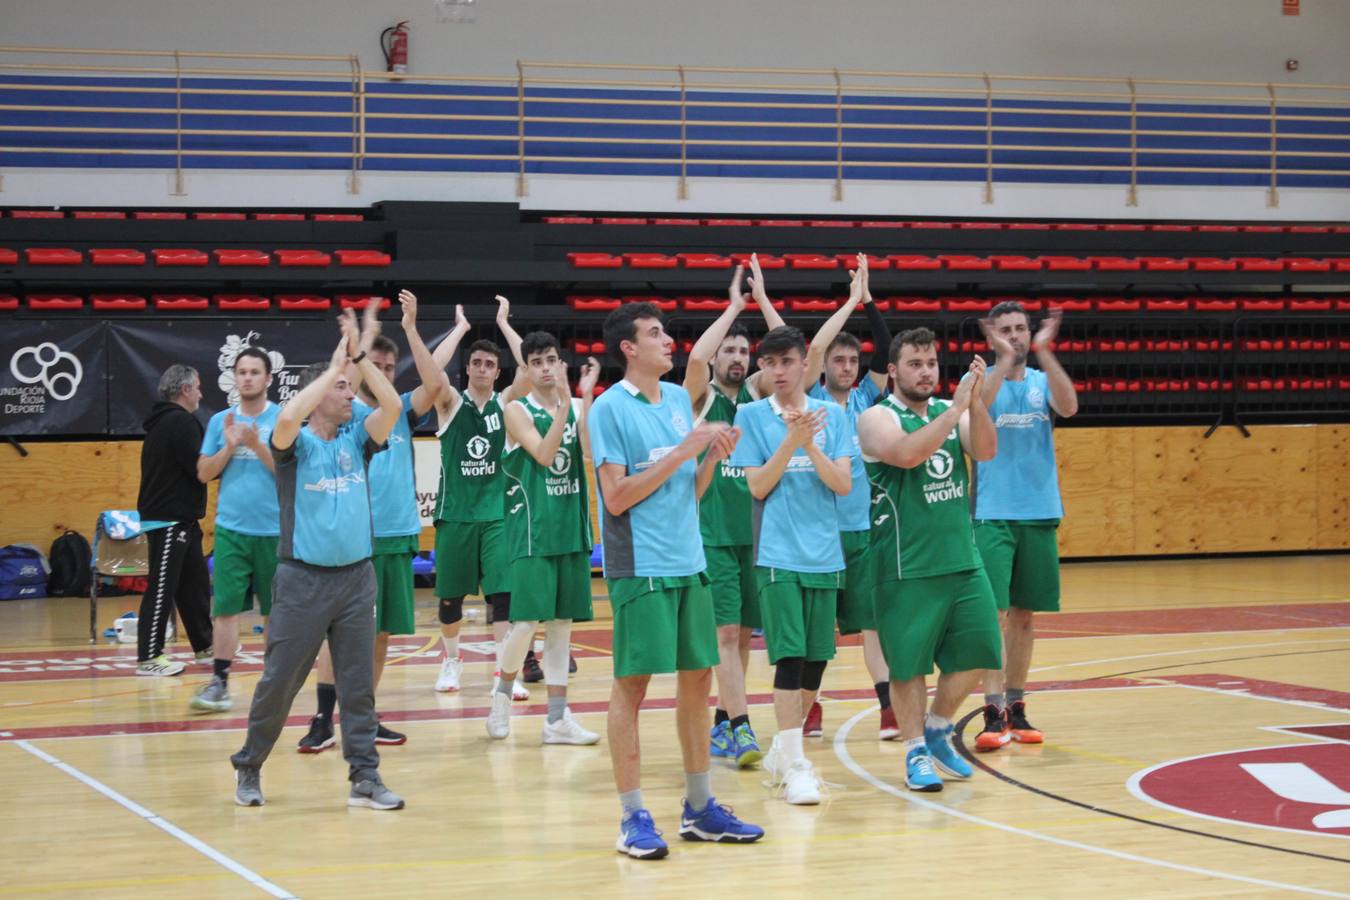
921	523
724	513
547	508
471	483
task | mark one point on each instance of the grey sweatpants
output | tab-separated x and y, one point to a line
310	603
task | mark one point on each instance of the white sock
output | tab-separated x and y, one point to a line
915	744
933	720
790	740
451	645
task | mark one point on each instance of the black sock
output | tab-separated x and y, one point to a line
720	716
883	689
221	669
739	721
327	700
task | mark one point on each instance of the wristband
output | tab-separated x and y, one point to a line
357	358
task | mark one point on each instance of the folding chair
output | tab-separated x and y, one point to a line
120	548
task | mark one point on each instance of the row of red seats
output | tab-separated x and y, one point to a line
181	216
182	302
963	262
1105	345
960	226
106	256
699	303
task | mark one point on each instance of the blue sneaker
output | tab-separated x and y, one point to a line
723	743
716	823
939	741
747	746
919	772
639	838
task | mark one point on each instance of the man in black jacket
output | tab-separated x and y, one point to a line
170	492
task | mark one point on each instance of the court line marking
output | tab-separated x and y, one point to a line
164	825
842	752
1292	731
1093	662
1133	786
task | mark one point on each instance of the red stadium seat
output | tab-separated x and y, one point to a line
180	257
180	302
279	217
1261	229
915	263
665	304
1165	304
8	257
107	256
780	223
361	301
676	222
338	217
1029	226
1259	264
53	256
1260	304
593	304
810	261
362	258
54	301
965	263
1066	263
704	261
832	223
1124	226
703	304
766	260
305	258
1214	304
1309	229
1068	304
36	214
1164	264
933	226
160	216
595	261
968	304
98	214
850	261
1114	263
242	258
242	302
645	261
1222	229
623	221
1016	263
1077	226
729	223
914	304
882	224
117	302
8	303
981	226
1115	304
1300	264
1171	228
1341	265
219	216
811	304
1309	305
303	302
588	346
1212	264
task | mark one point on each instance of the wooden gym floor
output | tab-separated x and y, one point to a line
1198	744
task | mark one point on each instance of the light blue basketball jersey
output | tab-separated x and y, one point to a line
393	480
324	494
1021	482
855	510
247	503
797	526
658	537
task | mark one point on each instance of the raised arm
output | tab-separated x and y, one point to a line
1063	395
993	380
761	295
449	396
511	336
815	356
520	425
979	437
380	422
590	374
621	491
364	339
435	384
881	335
696	373
292	416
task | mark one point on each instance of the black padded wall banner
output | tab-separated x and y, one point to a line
53	377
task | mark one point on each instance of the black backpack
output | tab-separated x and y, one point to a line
70	559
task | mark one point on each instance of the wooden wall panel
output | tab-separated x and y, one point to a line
1127	491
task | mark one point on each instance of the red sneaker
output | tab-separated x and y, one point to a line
1023	731
812	726
996	731
889	729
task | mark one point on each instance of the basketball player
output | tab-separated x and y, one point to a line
470	545
838	353
325	582
644	443
247	518
1017	505
724	510
933	600
547	531
795	451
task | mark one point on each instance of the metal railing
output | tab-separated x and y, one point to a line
854	123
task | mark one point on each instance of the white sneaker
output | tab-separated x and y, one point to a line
568	730
160	665
499	719
518	690
448	680
801	787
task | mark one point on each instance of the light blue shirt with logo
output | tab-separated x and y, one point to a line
855	510
393	477
323	490
247	503
659	536
1021	482
797	526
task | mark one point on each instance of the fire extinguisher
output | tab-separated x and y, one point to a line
394	43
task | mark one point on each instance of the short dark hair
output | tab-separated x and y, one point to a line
256	353
736	330
914	337
621	325
309	374
1008	306
538	342
383	344
781	340
844	339
483	346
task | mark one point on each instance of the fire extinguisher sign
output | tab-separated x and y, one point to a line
1290	7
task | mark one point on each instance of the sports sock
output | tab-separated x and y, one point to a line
932	720
790	740
221	669
631	801
698	790
915	744
720	716
883	689
504	685
327	700
451	645
995	700
739	721
556	705
1016	695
